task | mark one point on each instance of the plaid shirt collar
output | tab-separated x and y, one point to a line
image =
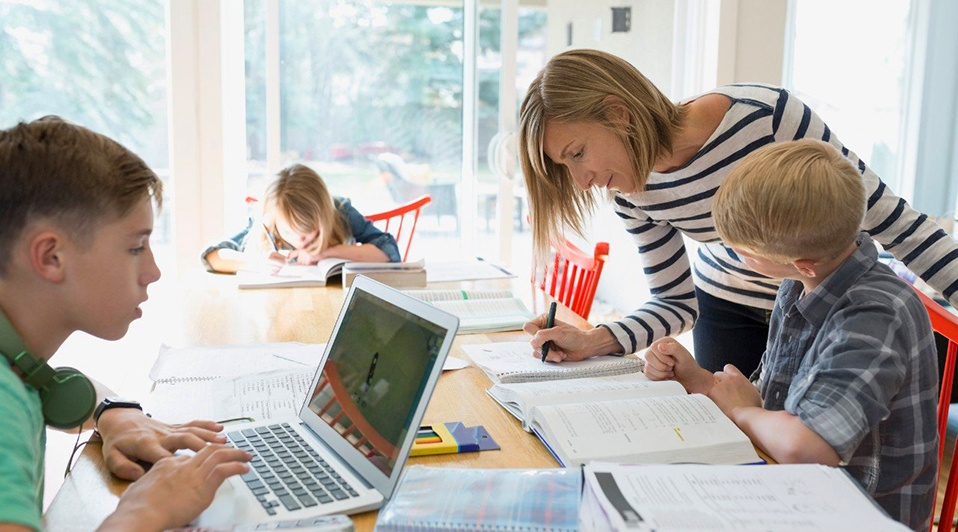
815	306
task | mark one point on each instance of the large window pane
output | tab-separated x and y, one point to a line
371	98
531	56
98	63
856	88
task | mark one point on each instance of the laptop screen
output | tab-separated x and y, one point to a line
376	373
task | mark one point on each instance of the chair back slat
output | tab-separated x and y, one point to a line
412	209
944	323
574	274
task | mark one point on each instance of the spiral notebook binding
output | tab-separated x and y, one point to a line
621	367
420	526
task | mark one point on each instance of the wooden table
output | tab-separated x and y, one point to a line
210	310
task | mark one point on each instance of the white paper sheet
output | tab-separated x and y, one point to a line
747	498
471	270
208	363
259	396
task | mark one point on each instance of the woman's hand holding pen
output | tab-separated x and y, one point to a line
568	342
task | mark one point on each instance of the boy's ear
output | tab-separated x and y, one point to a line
616	109
806	267
46	255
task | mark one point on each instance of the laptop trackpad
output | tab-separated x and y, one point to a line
232	504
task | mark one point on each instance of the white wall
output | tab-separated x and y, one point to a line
751	41
648	46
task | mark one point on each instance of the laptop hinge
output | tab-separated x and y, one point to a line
338	456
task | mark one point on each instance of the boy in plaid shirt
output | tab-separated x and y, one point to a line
849	376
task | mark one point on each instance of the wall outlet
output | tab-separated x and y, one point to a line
598	29
621	19
568	34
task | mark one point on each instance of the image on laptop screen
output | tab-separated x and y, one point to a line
377	370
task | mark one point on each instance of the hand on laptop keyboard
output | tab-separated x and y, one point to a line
286	471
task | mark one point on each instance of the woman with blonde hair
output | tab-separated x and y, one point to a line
591	120
302	223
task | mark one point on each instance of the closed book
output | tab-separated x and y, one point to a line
393	278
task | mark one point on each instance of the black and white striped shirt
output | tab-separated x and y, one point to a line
680	202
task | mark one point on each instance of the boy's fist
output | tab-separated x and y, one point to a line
666	359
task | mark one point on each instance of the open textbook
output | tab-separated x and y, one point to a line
297	275
648	430
511	362
689	498
479	311
520	399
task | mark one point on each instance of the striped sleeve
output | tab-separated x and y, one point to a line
912	237
673	307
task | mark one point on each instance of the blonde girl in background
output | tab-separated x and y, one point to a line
302	223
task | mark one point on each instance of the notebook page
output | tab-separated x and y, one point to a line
786	498
515	362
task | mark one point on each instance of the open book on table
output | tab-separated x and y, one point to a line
605	409
648	430
297	275
479	311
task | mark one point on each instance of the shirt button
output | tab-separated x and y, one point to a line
777	394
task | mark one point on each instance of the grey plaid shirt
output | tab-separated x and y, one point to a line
855	360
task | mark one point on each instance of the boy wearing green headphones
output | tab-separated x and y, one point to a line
76	212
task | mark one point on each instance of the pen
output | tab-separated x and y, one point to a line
550	323
270	237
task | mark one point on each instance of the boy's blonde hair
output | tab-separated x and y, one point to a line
580	86
50	168
791	200
300	196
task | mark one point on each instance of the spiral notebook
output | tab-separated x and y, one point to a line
500	500
512	362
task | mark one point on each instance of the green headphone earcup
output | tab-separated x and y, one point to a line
68	399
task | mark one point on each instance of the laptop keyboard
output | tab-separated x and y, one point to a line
286	471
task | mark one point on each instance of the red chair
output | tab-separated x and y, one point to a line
576	274
412	209
945	323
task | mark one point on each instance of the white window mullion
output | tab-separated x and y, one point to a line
273	147
182	54
234	111
505	172
470	95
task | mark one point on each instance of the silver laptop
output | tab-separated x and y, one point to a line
345	450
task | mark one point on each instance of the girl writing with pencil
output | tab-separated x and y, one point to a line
302	223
